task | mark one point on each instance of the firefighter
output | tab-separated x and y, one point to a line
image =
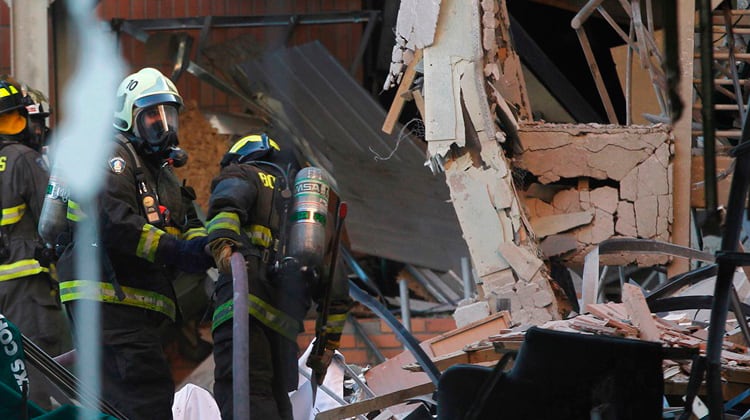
28	294
39	132
248	211
149	229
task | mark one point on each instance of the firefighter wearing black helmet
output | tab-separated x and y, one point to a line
28	294
149	230
247	214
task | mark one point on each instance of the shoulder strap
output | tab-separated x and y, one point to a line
149	200
282	189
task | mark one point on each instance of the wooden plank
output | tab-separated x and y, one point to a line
683	136
398	102
478	330
372	404
549	225
640	314
482	355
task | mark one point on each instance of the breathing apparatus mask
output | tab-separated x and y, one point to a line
156	126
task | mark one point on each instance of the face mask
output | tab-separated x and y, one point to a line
157	126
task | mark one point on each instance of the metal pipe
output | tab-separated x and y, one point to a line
711	223
240	338
434	291
328	391
403	288
362	334
584	13
197	23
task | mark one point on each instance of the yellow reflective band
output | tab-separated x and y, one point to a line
260	235
224	220
263	312
336	323
105	292
12	215
4	92
194	233
148	242
173	231
74	214
21	268
250	139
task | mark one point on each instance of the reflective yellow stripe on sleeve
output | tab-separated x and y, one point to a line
224	220
149	241
260	235
74	214
263	312
12	215
336	323
105	292
21	268
194	233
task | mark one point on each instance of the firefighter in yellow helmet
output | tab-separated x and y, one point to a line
28	294
149	230
249	211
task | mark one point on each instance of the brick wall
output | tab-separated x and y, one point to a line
355	350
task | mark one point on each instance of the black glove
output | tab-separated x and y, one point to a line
189	256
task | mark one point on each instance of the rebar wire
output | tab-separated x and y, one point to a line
419	131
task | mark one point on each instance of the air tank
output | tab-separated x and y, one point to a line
53	218
309	217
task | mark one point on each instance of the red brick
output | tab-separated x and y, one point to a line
385	341
418	325
440	325
348	341
358	357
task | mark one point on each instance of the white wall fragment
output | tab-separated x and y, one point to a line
415	29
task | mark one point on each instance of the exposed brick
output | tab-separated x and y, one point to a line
385	341
391	353
418	325
347	340
355	356
440	325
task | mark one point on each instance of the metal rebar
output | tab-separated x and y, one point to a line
403	289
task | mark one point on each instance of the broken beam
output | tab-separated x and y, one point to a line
482	355
372	404
398	102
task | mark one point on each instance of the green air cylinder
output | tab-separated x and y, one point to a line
307	237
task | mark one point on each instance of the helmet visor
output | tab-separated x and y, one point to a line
153	122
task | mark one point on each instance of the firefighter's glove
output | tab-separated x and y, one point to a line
190	256
221	249
319	364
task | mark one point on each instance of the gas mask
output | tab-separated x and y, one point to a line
157	127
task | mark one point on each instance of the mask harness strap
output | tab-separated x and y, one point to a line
149	200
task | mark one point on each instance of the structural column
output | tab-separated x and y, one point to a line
683	134
29	39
